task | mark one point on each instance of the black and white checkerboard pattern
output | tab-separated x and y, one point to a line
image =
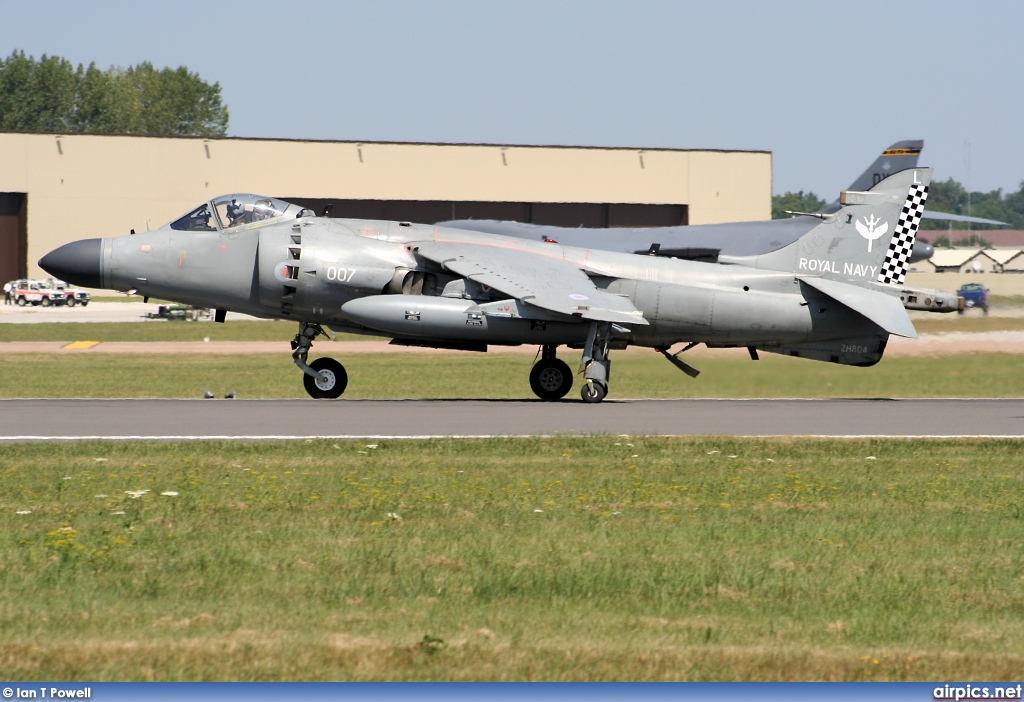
894	269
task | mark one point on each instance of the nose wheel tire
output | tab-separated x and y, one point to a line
594	392
550	379
332	381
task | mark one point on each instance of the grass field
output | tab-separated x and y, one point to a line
284	331
945	324
603	558
407	375
157	331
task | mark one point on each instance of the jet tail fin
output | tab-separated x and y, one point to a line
894	267
868	240
898	157
859	254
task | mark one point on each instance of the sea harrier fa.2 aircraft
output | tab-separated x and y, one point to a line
835	294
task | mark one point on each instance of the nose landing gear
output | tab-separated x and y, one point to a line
325	378
595	364
594	391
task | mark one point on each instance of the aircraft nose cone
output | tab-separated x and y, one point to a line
922	251
77	263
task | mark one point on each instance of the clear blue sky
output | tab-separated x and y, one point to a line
823	85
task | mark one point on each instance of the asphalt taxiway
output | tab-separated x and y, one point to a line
78	419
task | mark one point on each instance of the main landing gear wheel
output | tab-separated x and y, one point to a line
550	379
594	391
331	383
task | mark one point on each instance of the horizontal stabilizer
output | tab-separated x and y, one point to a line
884	310
947	217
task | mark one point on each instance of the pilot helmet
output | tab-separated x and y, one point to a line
263	209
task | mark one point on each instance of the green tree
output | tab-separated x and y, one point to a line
52	95
1014	204
176	101
795	202
105	103
946	196
950	196
37	95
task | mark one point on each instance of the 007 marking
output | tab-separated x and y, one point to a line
342	275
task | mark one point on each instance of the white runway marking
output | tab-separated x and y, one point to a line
412	437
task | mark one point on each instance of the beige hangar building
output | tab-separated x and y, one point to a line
56	188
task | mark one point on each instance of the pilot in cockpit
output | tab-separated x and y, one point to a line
198	220
262	210
231	211
236	213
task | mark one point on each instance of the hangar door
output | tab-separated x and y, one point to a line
13	237
596	215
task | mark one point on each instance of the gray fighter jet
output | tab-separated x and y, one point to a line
834	294
705	242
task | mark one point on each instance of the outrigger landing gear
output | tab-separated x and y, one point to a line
325	378
550	379
595	364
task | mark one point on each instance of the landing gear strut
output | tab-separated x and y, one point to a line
325	378
595	364
550	379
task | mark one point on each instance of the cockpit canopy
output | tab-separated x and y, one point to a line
230	212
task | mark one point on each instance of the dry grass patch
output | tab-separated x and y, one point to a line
340	656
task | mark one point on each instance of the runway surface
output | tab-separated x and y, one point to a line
54	420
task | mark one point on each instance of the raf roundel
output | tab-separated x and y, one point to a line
282	272
578	296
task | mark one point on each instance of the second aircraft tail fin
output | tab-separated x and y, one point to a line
898	157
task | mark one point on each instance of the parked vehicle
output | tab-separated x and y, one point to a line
73	296
32	292
974	295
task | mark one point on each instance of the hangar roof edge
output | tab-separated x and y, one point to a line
388	143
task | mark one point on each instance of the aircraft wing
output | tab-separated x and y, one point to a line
947	217
553	284
884	310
